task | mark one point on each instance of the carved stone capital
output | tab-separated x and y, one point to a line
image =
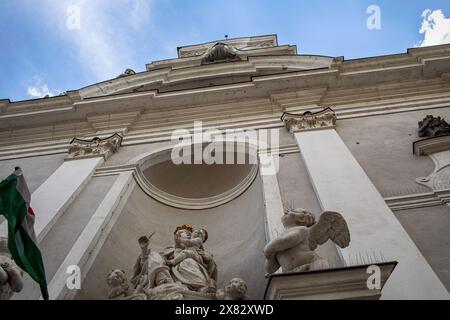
96	147
309	120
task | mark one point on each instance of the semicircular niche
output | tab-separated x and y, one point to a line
197	186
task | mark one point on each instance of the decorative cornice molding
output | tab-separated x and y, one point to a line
247	43
96	147
328	284
431	145
324	119
421	200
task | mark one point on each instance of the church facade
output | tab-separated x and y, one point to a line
223	142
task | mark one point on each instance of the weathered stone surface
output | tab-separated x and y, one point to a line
95	147
309	120
183	271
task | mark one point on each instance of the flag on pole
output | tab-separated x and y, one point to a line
15	206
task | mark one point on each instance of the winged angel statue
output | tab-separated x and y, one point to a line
293	250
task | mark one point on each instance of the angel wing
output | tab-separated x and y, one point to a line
331	225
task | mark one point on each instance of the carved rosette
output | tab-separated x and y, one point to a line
309	120
96	147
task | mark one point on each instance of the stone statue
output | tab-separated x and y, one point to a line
118	284
236	289
294	249
151	278
10	274
433	126
183	271
140	270
191	264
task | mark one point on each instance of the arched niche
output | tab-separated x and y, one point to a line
235	222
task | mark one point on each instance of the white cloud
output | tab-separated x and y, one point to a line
103	41
39	89
435	27
139	13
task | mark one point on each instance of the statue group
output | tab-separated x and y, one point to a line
187	271
182	271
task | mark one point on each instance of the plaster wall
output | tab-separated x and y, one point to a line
36	169
236	238
429	229
127	153
61	237
297	191
382	145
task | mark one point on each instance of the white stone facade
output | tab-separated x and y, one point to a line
356	158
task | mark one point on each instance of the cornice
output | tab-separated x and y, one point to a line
431	145
270	40
34	142
389	89
420	200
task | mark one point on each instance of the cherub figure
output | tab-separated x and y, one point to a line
294	249
236	289
118	284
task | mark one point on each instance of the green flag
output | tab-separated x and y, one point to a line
15	206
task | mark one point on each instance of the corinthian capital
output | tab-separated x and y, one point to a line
96	147
309	120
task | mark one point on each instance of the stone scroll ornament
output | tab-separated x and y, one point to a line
10	274
184	271
95	147
293	250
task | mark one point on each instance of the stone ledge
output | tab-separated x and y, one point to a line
328	284
431	145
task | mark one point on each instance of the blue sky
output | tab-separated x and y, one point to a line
48	48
